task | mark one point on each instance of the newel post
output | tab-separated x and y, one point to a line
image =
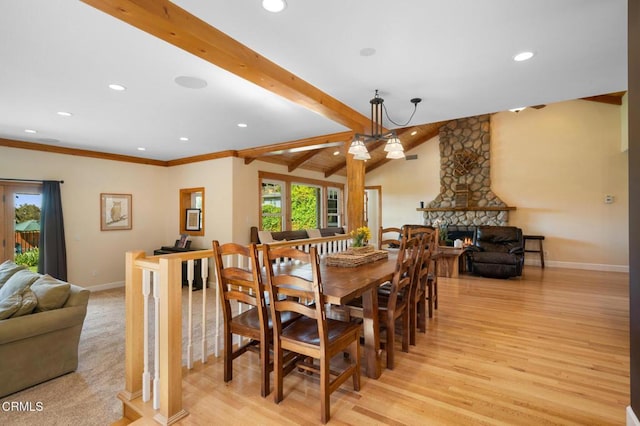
134	322
170	327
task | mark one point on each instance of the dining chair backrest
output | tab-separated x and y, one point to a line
238	282
403	274
295	293
389	238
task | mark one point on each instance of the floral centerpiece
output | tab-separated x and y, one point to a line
360	237
443	231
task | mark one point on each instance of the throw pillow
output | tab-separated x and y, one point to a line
17	283
265	237
314	233
9	305
7	269
28	304
51	293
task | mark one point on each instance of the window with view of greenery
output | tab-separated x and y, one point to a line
305	206
272	206
295	203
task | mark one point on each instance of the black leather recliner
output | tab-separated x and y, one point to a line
498	252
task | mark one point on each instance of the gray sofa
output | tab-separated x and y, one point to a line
43	344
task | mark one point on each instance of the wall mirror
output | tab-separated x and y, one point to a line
192	201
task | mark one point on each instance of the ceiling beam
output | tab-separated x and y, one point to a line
610	98
302	159
178	27
316	142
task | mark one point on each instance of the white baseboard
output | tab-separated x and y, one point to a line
107	286
632	420
578	265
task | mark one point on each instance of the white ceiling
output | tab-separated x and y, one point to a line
60	55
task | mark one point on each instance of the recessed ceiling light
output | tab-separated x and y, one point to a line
30	131
141	148
523	56
190	82
243	125
415	132
64	114
274	6
336	152
518	109
184	139
367	51
117	87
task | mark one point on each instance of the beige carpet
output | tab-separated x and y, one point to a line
88	396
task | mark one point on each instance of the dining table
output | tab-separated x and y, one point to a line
340	285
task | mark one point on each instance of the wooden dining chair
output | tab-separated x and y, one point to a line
389	238
431	283
243	284
394	300
422	287
313	335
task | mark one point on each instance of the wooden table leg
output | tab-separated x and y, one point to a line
371	325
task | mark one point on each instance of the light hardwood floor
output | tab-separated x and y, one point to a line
550	348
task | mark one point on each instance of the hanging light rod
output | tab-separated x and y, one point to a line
393	146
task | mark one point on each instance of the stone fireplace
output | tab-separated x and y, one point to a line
465	195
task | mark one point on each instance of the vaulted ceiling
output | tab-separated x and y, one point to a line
300	80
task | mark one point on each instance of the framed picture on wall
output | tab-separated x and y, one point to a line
115	212
192	222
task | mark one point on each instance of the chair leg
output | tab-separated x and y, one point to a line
405	330
325	393
278	372
435	294
228	356
264	365
421	308
430	285
354	352
389	346
413	322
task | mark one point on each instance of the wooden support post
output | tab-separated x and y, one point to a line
170	342
134	322
355	192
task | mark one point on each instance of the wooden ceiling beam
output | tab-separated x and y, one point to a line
315	142
169	22
302	159
610	98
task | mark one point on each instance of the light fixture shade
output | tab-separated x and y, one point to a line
393	144
357	147
395	155
362	156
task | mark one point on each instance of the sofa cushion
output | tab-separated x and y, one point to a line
265	237
10	305
18	282
51	293
27	304
7	269
314	233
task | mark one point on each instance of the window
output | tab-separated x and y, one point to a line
271	205
20	223
293	203
333	206
306	208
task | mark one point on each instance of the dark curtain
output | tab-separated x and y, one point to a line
53	252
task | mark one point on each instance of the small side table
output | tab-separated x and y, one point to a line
540	250
447	259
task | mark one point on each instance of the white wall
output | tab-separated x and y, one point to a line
555	165
96	257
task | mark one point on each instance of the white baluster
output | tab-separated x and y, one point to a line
189	315
204	267
156	343
146	376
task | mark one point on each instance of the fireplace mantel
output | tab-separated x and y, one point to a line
465	209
